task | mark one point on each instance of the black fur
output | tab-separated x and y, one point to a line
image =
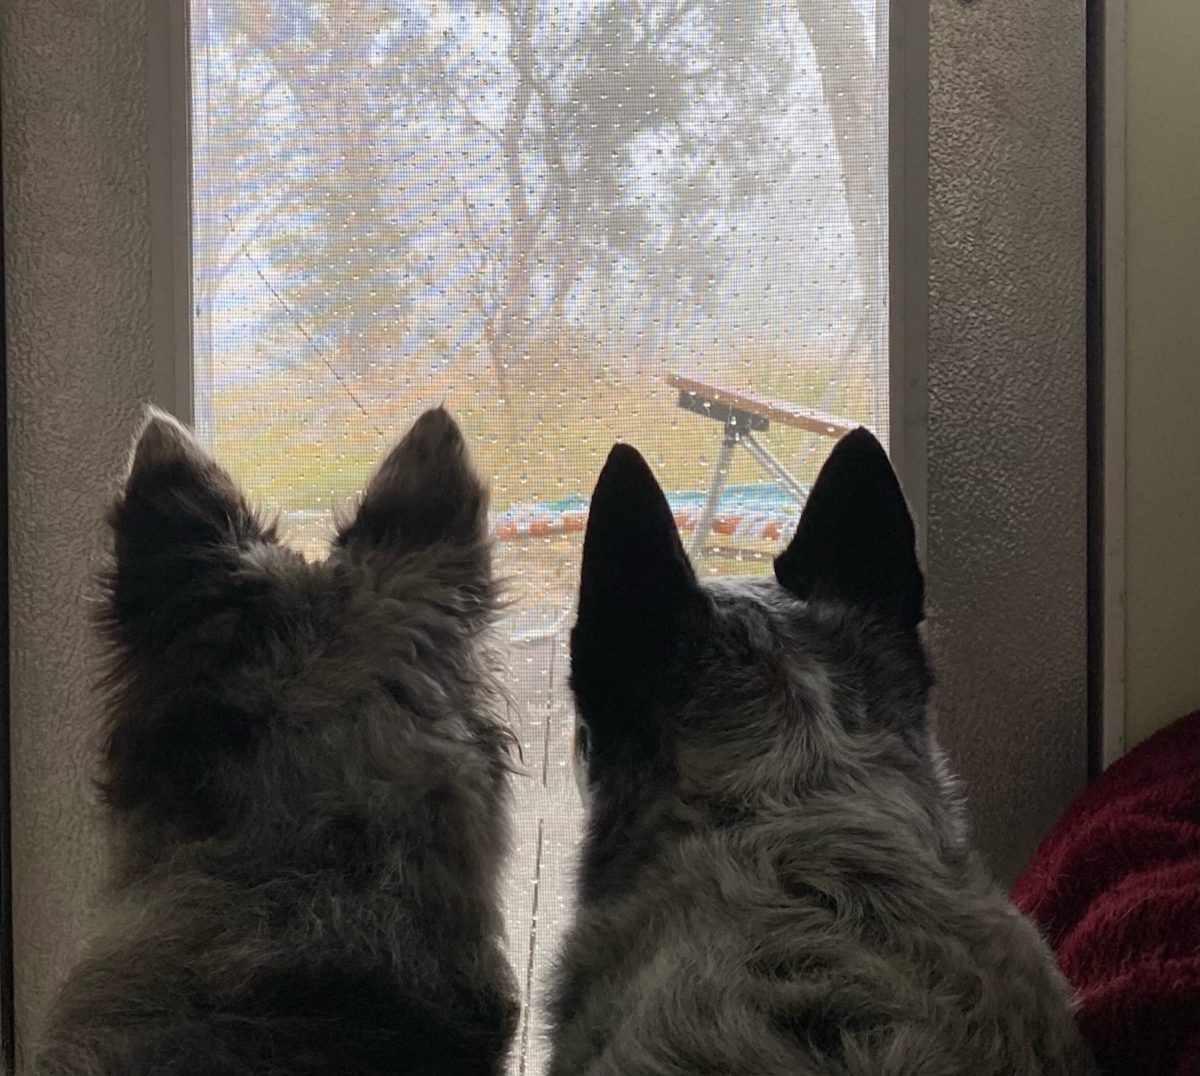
306	778
855	542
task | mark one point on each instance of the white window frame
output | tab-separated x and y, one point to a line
170	206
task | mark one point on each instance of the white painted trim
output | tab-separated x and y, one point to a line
908	251
170	206
1112	700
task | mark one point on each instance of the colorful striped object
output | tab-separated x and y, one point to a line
759	511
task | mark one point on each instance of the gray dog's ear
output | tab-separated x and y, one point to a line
855	542
425	492
178	527
642	613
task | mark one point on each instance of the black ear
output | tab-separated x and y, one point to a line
179	592
855	542
179	527
641	611
426	491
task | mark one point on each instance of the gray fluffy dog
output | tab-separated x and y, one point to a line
306	774
776	877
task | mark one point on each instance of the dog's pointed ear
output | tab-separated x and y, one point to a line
178	525
856	542
425	492
641	611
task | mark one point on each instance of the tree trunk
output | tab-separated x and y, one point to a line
514	299
839	42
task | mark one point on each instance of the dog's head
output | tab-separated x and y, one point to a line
258	696
701	703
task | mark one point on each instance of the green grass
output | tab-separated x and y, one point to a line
298	440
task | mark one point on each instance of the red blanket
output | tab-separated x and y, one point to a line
1116	889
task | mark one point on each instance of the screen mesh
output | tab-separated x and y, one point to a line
574	223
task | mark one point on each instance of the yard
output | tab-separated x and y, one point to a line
304	441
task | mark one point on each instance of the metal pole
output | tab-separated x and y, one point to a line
720	474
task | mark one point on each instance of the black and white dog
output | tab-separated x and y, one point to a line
776	876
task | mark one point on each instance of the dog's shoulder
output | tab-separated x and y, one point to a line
810	944
135	1011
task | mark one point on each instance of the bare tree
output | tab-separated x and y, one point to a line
601	156
839	41
693	81
314	186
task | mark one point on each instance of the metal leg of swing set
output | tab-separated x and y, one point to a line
720	474
774	468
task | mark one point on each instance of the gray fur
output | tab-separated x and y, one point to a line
776	876
306	775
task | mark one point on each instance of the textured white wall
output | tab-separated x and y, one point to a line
1006	440
78	284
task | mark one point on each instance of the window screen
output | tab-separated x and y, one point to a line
574	223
